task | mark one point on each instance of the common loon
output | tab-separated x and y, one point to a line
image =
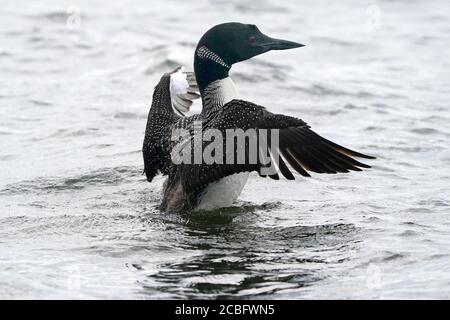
196	186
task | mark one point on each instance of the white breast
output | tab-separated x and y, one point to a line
225	191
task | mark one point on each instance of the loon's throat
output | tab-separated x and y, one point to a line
217	94
209	67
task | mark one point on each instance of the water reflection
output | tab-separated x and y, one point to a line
236	257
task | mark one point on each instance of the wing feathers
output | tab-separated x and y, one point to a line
298	146
317	154
295	163
183	90
284	168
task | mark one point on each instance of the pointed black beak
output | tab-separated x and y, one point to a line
267	43
279	44
259	43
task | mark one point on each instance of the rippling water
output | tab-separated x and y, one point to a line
78	219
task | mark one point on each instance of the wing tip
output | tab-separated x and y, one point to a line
362	155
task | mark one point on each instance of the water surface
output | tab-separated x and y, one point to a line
79	220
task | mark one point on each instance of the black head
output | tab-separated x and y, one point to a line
229	43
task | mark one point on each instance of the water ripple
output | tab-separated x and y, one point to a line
106	176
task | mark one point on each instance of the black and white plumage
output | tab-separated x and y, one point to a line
172	97
206	186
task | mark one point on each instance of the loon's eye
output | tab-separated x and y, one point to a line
252	39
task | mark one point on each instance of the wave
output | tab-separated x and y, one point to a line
100	177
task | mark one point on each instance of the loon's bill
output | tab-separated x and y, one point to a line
205	184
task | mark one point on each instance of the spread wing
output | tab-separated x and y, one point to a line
172	97
297	145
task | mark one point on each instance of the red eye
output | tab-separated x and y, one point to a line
252	39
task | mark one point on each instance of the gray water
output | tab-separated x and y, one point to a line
79	220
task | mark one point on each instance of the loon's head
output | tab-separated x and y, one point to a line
226	44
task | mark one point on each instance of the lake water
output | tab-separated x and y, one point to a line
79	220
